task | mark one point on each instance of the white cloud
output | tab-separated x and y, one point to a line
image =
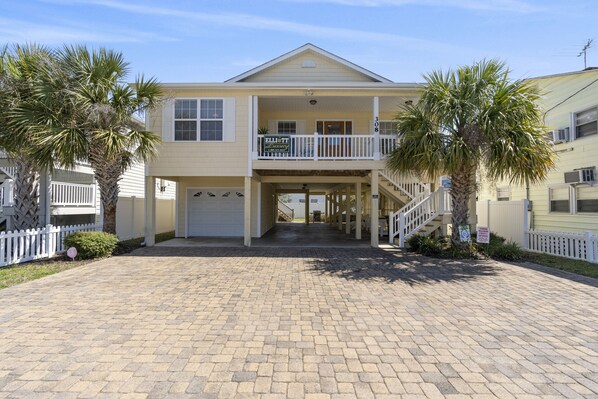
515	6
248	21
17	31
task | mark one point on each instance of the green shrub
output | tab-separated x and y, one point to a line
460	253
431	246
414	242
508	251
91	244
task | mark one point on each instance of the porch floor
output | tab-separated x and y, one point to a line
315	235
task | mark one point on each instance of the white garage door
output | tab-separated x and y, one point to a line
215	212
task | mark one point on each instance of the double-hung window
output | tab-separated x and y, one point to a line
503	194
560	199
586	122
198	120
586	199
287	127
387	127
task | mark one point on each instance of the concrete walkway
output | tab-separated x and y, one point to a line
282	235
298	322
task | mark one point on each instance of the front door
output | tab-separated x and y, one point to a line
339	144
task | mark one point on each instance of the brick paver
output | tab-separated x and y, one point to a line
298	323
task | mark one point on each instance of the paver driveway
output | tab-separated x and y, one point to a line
319	323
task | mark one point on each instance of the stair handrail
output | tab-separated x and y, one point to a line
290	212
9	171
410	186
405	223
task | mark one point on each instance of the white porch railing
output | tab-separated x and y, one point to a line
10	171
26	245
317	146
71	194
413	217
583	246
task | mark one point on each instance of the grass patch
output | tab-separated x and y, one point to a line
21	273
580	267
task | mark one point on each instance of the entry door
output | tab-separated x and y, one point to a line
335	146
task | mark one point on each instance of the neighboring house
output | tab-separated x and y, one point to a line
72	197
297	203
329	126
568	200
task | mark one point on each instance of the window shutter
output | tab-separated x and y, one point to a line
168	120
302	128
273	126
229	125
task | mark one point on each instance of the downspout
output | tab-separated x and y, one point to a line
530	207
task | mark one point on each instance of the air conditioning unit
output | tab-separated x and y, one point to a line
560	135
586	175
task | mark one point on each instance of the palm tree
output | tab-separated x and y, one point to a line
86	111
19	77
473	120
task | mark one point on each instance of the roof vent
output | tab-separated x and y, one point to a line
308	64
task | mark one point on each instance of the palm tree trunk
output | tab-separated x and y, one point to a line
462	187
26	203
107	174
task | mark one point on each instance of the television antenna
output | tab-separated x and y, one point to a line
584	52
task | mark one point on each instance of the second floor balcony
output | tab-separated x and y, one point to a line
324	147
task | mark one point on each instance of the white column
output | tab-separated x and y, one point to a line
376	128
247	213
150	211
307	208
253	125
374	210
340	211
348	211
358	210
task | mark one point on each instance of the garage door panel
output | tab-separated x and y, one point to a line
215	212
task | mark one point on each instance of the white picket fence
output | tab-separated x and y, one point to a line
582	246
26	245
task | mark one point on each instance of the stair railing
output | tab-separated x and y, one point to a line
408	185
413	217
287	211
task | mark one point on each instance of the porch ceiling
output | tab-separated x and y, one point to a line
306	173
330	104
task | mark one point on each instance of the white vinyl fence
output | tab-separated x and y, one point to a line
509	219
582	246
130	216
25	245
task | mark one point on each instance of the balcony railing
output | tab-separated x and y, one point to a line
71	194
323	147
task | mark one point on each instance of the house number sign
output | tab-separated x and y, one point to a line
376	125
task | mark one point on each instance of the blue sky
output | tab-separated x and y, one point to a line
211	41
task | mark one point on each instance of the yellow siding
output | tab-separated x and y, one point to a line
291	70
577	154
203	158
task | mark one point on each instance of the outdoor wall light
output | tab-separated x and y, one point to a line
313	102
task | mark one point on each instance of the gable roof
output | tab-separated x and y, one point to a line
304	49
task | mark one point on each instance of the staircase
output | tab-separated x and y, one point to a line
423	212
285	212
402	189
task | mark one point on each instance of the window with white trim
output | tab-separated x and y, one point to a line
388	127
208	122
586	199
287	127
503	194
586	123
559	199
